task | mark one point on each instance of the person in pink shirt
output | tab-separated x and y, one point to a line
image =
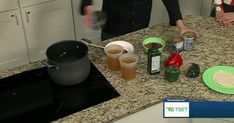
224	12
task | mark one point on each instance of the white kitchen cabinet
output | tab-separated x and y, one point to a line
227	119
78	20
13	50
45	24
6	5
25	3
209	120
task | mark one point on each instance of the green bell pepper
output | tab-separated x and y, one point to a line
172	73
193	71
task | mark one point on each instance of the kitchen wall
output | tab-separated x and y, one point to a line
206	7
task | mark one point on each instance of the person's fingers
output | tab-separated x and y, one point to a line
219	14
230	16
227	23
220	23
223	18
219	20
182	32
224	23
196	34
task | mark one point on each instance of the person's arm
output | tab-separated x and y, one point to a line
86	9
175	16
173	10
83	5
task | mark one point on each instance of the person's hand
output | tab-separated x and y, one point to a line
225	19
219	14
88	18
183	29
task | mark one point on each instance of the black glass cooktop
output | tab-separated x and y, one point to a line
32	96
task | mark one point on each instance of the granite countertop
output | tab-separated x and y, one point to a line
215	46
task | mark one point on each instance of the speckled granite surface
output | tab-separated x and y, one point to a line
215	47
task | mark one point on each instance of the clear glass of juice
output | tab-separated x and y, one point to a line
113	52
128	63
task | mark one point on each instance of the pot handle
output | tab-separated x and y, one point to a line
89	43
86	41
47	64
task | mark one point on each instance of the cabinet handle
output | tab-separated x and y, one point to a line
16	19
27	13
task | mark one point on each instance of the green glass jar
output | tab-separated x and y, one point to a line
153	60
172	73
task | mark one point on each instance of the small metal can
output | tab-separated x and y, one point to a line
189	41
176	44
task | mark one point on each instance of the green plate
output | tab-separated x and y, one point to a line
211	83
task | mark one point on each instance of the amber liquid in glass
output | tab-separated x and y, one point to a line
128	73
113	63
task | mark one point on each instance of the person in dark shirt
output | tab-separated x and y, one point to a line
124	16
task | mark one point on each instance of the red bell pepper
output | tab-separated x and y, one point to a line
174	60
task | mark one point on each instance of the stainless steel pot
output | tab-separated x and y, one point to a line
68	62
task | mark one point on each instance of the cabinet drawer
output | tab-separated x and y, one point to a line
209	120
227	119
25	3
6	5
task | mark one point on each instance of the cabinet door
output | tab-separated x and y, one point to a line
6	5
13	50
78	19
24	3
209	120
47	23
